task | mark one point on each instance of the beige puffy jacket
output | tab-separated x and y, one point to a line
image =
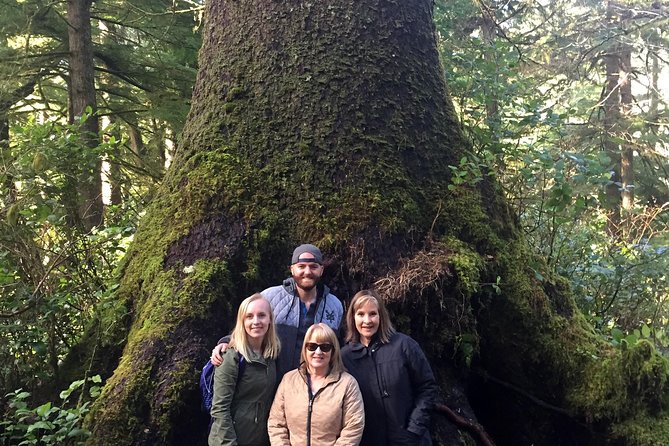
337	415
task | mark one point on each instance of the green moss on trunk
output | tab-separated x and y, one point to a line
328	122
324	122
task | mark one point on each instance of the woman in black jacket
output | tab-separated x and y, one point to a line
395	378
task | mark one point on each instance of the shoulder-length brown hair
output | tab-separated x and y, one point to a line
240	340
322	333
386	329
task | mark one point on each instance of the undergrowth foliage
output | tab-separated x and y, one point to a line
53	274
49	424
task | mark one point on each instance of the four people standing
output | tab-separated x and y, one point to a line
318	402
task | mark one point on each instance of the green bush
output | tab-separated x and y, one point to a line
49	424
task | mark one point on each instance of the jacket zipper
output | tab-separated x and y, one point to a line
380	379
311	406
312	397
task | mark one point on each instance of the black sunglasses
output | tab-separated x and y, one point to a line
312	346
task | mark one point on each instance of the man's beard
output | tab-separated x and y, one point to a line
313	283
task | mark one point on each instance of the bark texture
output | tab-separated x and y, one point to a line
85	182
328	122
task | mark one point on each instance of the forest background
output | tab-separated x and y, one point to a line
564	103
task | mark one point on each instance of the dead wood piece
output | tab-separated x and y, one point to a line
463	423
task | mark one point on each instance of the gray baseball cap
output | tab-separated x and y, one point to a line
307	248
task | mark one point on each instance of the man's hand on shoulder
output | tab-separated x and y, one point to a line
217	353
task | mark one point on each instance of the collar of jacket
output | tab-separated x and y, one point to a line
360	350
291	288
260	359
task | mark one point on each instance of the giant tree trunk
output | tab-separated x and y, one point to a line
329	122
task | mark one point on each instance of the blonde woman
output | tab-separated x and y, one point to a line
244	383
318	404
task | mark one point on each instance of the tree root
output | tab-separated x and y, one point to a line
463	423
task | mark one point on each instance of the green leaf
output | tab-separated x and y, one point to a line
43	409
632	339
78	432
65	394
538	276
94	391
22	395
40	425
617	334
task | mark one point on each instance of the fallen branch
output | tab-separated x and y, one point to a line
466	424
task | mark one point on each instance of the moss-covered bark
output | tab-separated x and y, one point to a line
329	122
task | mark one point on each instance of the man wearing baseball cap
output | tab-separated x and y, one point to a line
298	303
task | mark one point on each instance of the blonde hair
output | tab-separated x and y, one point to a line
386	329
322	333
240	340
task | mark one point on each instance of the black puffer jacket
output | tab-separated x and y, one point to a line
398	388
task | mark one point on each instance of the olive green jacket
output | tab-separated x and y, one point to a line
239	409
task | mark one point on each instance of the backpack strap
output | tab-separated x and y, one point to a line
207	385
207	381
241	366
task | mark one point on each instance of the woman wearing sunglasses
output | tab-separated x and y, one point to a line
395	378
318	404
244	384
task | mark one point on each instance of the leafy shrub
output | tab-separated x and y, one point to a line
49	424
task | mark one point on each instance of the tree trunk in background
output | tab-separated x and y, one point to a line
493	118
14	239
611	104
617	107
328	122
6	103
136	144
654	91
8	186
116	193
627	154
114	175
85	179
